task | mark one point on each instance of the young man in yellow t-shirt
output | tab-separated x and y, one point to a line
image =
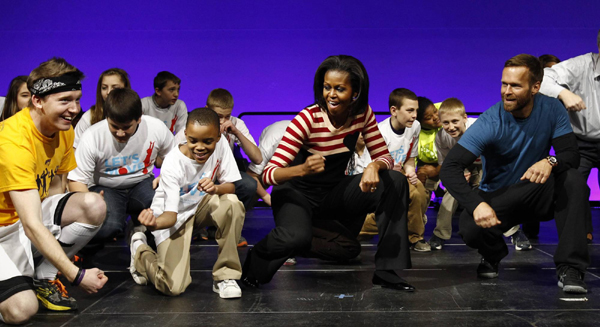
36	149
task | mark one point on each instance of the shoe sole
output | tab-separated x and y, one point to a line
242	244
487	275
51	306
572	288
216	290
421	250
519	248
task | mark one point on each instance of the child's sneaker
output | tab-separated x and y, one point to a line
53	295
137	239
435	242
421	246
520	241
242	242
227	289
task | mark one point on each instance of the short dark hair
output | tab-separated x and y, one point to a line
424	103
219	98
536	71
123	106
359	80
548	58
398	95
204	117
163	77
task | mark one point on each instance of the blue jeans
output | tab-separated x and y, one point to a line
121	203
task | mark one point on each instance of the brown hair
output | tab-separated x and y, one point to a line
536	71
398	95
51	68
97	110
11	106
123	106
219	98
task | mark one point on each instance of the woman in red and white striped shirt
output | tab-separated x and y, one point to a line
312	158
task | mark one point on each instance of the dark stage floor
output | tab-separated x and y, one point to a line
316	293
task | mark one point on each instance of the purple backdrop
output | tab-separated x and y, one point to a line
266	52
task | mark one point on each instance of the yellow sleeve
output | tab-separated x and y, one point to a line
18	167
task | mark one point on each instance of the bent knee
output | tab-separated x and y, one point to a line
20	313
94	208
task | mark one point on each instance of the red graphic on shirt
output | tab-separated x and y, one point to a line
147	161
173	123
123	171
212	177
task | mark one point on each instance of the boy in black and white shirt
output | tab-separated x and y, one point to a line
196	190
117	156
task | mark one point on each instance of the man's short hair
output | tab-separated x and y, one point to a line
548	58
123	106
219	98
424	103
536	71
163	77
398	96
52	68
452	105
204	117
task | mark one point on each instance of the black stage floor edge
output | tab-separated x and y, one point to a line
317	293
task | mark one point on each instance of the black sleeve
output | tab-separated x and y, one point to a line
566	152
453	177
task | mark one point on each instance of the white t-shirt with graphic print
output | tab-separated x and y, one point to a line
174	117
178	187
400	144
101	160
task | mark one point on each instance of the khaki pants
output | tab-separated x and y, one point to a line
443	226
419	200
169	269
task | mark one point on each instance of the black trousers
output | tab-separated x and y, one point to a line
590	158
563	197
295	212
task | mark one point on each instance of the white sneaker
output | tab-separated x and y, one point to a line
137	277
227	289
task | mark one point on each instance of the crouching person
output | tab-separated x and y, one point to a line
36	150
196	190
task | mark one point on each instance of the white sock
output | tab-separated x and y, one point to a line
72	238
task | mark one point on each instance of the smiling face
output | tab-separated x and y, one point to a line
201	141
337	92
517	92
55	112
23	96
406	115
122	132
431	119
110	83
168	95
454	123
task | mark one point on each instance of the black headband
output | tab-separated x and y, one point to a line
63	83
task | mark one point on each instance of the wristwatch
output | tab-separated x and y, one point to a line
552	161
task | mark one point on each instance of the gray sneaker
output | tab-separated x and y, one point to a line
421	246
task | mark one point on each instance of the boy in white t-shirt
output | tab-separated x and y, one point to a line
117	156
164	104
401	134
188	198
236	132
455	122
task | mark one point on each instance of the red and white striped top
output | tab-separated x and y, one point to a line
312	131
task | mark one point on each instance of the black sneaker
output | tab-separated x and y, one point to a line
571	280
520	241
436	243
487	269
53	295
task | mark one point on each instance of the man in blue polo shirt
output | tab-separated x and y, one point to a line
521	181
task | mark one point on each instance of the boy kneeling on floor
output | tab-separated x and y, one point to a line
196	190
